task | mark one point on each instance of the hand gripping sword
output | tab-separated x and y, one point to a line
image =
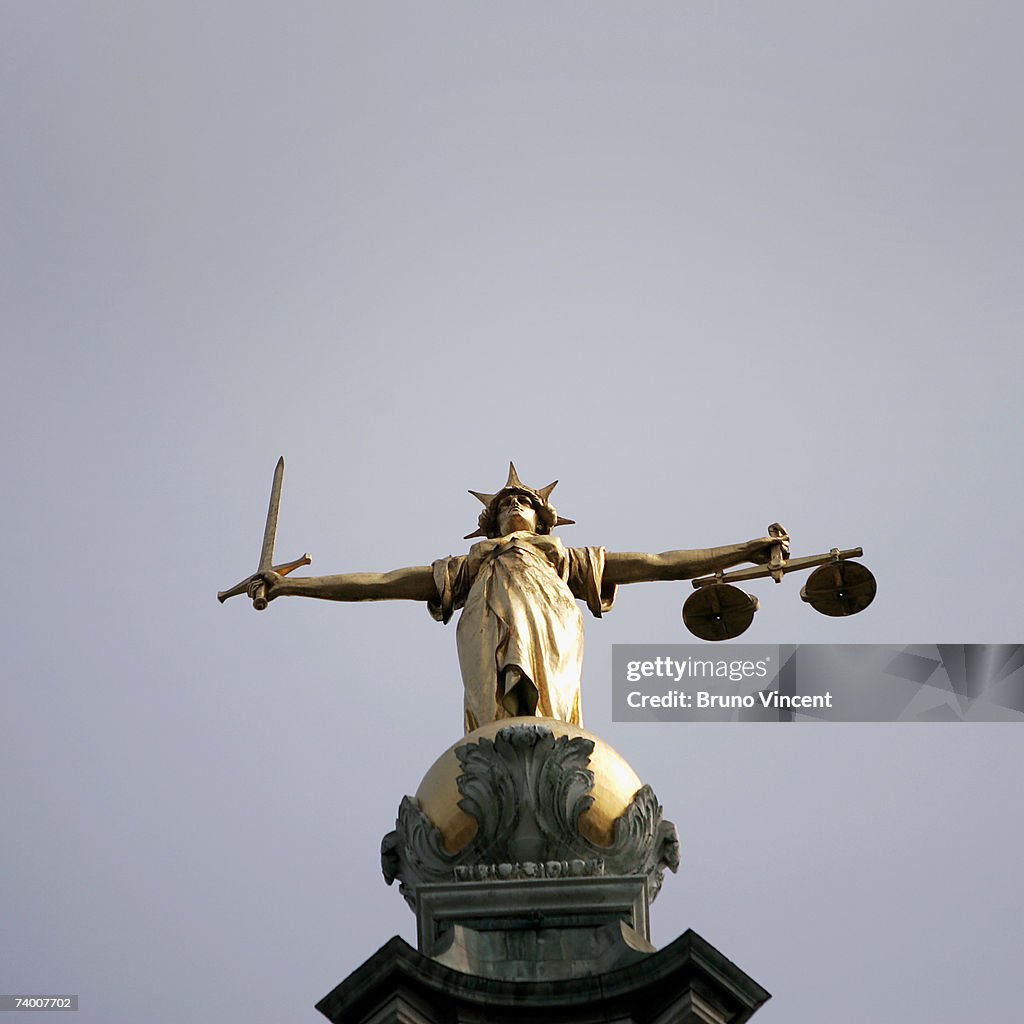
253	585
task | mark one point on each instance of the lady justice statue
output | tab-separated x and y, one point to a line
520	634
531	849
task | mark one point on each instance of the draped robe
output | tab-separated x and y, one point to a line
518	598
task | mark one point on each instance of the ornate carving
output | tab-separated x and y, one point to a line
529	869
526	789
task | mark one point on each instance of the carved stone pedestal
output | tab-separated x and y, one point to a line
530	855
688	982
535	930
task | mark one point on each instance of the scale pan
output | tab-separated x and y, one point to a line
719	611
839	588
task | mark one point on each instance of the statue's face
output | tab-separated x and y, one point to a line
516	512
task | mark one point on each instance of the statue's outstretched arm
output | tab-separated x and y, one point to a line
413	584
640	567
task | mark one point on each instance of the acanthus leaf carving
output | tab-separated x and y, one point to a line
527	790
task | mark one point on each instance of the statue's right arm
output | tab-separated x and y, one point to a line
413	584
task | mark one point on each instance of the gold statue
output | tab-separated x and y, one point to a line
520	635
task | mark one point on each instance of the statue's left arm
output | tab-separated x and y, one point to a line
641	567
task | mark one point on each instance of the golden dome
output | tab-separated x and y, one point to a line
615	785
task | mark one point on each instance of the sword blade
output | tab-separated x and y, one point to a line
270	532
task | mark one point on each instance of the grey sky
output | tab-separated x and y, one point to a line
713	265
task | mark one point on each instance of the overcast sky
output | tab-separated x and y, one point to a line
712	265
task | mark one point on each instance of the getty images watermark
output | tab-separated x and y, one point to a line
818	682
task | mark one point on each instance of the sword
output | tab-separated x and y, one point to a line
254	585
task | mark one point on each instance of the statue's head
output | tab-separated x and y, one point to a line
516	507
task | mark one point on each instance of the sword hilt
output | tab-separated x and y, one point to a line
258	593
256	588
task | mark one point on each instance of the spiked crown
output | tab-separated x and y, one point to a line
547	517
